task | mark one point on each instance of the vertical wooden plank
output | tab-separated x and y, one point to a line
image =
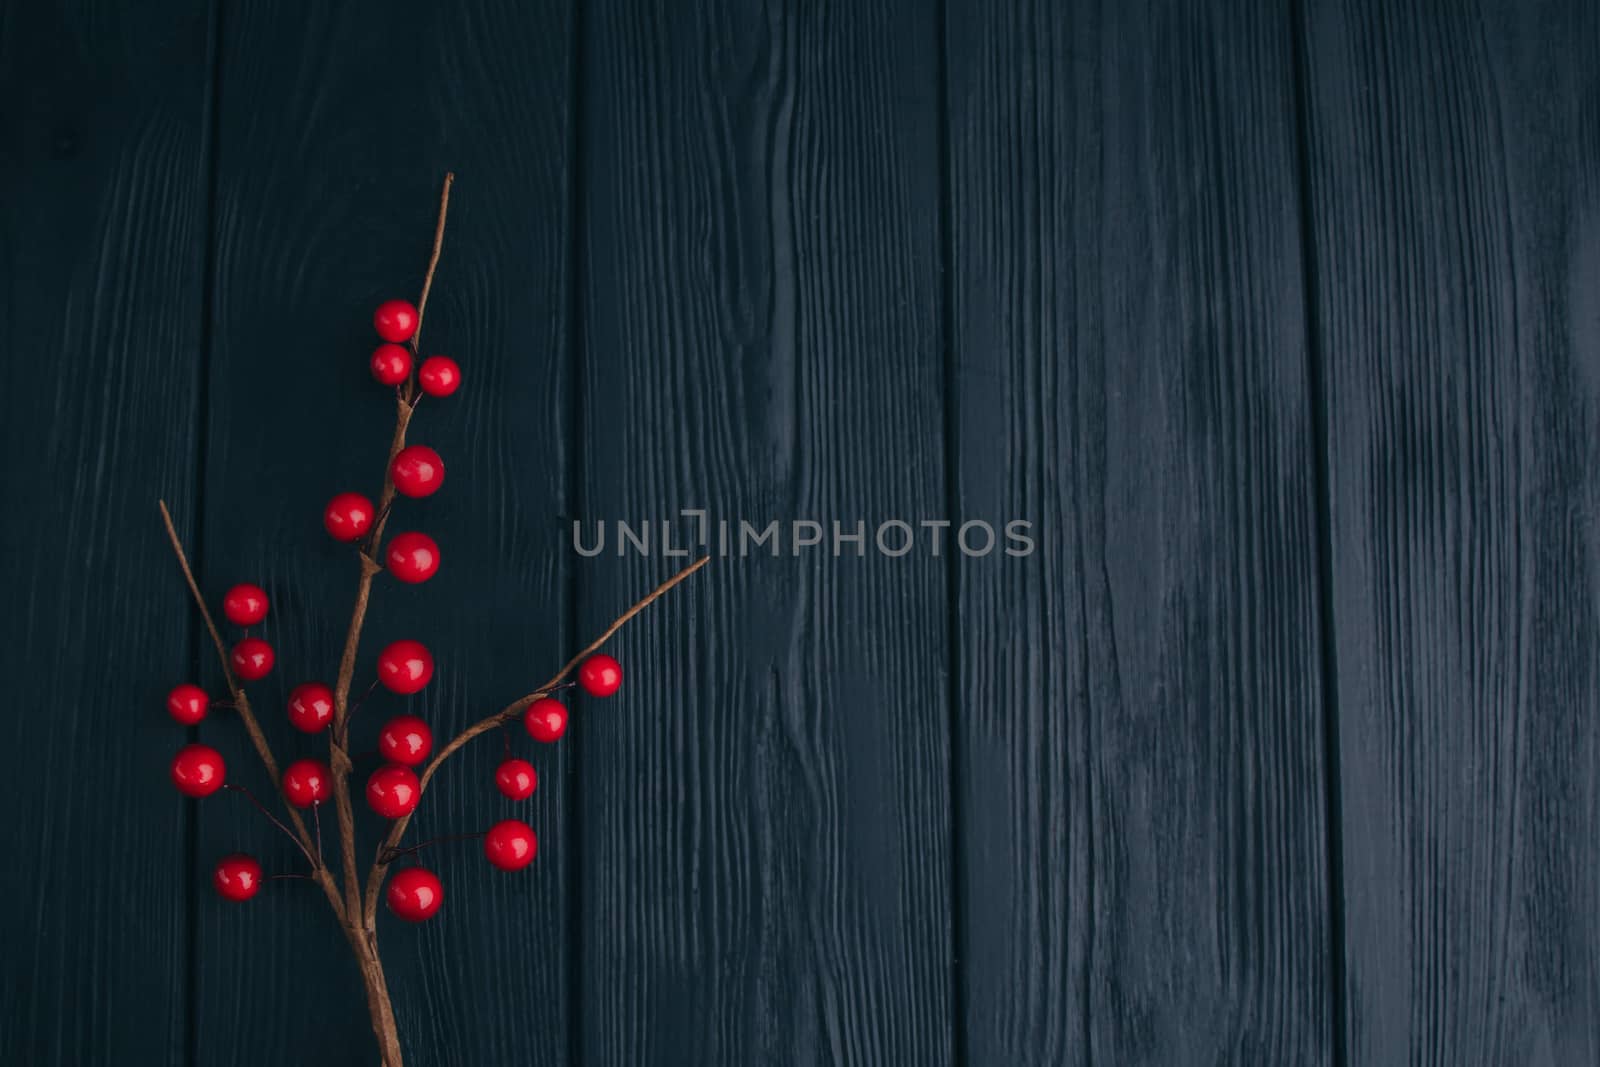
337	128
1140	776
1453	153
102	209
764	828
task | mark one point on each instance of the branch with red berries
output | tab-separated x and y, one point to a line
404	667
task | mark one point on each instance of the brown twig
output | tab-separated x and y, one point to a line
241	706
433	260
398	828
357	914
339	736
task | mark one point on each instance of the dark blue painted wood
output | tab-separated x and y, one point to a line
763	820
1140	709
1453	161
337	128
102	221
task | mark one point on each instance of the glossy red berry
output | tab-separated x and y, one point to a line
413	557
600	675
391	364
417	471
545	719
198	770
414	894
510	845
405	666
245	604
310	707
307	782
188	704
439	376
516	779
393	791
395	320
238	877
348	517
252	659
405	739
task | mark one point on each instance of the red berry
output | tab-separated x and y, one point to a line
439	376
310	707
252	659
414	894
393	791
245	604
198	770
510	845
405	667
417	471
391	364
413	557
545	719
600	675
237	877
405	739
395	320
516	779
307	782
348	517
188	704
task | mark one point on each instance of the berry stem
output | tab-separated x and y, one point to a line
262	808
411	850
241	705
382	516
397	829
360	700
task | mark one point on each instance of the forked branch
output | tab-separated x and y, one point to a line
397	829
241	706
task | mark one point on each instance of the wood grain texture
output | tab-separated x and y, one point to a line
102	210
765	833
1140	778
337	128
1453	154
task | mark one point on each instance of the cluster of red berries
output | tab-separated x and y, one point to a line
417	470
404	667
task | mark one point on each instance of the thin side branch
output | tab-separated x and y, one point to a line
274	820
339	736
241	707
398	828
411	850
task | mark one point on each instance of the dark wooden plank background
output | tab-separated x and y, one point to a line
1141	779
102	239
1453	199
1277	323
764	827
